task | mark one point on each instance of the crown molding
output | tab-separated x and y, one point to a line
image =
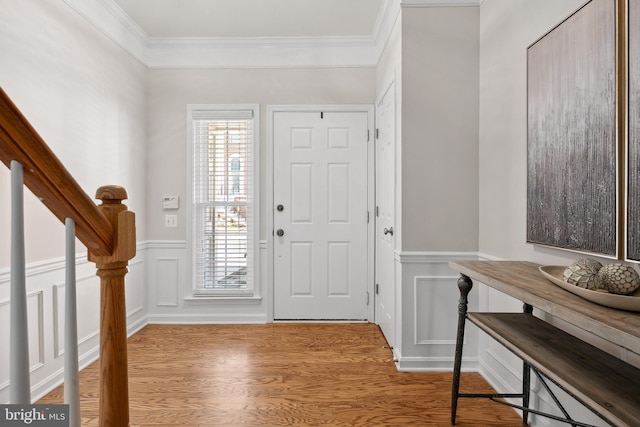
262	52
439	3
390	10
112	21
249	52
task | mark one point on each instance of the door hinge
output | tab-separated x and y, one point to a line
367	217
377	133
322	114
367	297
368	135
377	210
377	288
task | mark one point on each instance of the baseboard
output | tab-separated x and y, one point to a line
203	319
434	364
38	391
56	379
136	326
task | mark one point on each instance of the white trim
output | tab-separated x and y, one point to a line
260	52
415	257
435	364
255	192
249	52
440	3
112	21
226	301
205	319
166	244
56	264
43	267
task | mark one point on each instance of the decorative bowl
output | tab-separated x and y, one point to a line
622	302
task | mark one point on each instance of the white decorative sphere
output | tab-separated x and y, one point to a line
619	278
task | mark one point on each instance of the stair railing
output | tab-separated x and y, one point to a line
108	232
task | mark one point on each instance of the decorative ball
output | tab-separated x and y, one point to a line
580	276
619	278
590	264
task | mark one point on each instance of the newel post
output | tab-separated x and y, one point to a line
114	384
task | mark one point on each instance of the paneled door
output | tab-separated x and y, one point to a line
320	215
385	206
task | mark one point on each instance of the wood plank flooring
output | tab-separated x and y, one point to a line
282	374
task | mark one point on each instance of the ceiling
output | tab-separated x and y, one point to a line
254	18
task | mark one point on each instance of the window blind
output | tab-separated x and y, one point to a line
223	208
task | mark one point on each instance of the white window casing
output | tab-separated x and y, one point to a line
223	154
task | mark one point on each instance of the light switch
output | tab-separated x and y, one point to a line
171	221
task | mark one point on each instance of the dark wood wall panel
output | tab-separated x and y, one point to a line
633	203
571	159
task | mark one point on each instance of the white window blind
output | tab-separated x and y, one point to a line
223	202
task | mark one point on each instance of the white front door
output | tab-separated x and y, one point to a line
385	195
320	215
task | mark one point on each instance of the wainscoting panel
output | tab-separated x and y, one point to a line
46	308
430	292
87	307
5	308
167	281
429	313
59	308
35	307
136	295
170	291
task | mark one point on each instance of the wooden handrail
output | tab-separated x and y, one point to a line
50	181
108	232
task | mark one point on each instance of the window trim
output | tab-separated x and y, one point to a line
255	199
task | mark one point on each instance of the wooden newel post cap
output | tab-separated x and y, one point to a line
110	194
122	221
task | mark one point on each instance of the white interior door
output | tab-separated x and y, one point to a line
385	195
320	215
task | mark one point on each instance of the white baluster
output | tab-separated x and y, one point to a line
20	392
71	381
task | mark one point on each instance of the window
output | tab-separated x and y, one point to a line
235	174
223	150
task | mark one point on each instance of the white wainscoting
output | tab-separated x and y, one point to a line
429	313
46	307
170	291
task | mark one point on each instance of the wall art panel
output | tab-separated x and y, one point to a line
633	202
572	139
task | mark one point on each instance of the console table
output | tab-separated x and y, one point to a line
607	385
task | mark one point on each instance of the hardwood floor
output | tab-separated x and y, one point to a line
281	374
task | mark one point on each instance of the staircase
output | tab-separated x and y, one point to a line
108	232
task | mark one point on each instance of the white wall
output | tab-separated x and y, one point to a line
86	98
169	92
507	29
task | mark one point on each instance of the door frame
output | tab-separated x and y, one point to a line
389	90
269	197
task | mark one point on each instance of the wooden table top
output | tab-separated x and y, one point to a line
522	280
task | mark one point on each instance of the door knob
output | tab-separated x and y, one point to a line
280	232
280	208
388	231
